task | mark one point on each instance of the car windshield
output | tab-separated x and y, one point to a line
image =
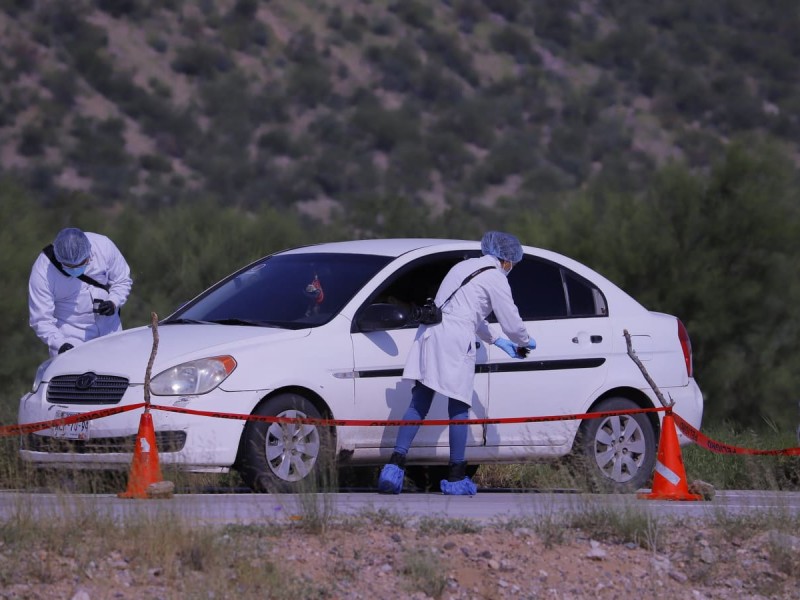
291	291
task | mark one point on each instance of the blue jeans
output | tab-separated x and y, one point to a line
421	399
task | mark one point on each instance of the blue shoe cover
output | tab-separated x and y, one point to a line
465	487
391	480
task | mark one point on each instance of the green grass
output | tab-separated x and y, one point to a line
723	471
745	472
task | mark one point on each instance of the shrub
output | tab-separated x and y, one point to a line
302	47
509	156
384	128
32	141
309	85
398	64
447	49
245	9
277	141
157	43
469	12
409	168
413	13
329	129
508	9
200	60
553	23
472	121
62	85
155	163
512	41
448	154
435	86
124	8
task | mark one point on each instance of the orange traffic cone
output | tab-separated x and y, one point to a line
144	468
669	479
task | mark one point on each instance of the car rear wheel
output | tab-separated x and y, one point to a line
618	451
286	457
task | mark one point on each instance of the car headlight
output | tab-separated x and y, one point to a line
194	377
37	380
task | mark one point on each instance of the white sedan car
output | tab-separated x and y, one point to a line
323	331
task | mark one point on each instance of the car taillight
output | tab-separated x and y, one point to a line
686	346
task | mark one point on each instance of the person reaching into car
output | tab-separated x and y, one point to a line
442	356
76	288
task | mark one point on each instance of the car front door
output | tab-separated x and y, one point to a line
568	318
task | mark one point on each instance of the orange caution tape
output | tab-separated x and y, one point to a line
7	430
690	432
98	414
723	448
400	422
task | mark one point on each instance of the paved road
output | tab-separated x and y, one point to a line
485	507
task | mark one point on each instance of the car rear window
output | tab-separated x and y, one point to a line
291	291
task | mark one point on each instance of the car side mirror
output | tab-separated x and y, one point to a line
382	316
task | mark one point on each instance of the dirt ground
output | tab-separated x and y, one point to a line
384	558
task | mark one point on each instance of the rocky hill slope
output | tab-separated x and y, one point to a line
328	105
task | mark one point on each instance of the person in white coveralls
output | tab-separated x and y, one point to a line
76	289
442	357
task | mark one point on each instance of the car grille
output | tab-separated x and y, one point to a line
166	441
87	388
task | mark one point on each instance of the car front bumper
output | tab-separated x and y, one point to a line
191	442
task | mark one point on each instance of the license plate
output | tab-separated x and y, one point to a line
73	431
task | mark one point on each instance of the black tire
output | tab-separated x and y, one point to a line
618	453
286	457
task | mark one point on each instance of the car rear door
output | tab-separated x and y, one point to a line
568	318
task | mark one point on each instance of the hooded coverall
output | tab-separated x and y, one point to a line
61	307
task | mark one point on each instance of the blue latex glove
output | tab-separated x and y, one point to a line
507	347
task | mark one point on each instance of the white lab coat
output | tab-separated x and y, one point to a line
443	355
61	307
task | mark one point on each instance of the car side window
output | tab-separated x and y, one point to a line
413	284
585	300
546	290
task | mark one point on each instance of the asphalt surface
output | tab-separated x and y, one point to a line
235	508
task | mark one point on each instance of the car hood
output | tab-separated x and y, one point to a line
127	353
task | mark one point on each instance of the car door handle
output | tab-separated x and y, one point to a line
595	339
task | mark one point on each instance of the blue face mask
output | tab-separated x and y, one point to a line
75	271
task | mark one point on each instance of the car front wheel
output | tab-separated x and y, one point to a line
619	451
285	457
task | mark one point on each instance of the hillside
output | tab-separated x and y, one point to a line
334	107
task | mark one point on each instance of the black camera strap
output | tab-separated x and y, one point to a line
50	253
465	282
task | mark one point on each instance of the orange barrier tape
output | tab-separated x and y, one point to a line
400	422
7	430
722	448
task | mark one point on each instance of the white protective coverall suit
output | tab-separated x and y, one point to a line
61	307
443	355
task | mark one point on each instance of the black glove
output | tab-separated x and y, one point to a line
105	308
65	347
